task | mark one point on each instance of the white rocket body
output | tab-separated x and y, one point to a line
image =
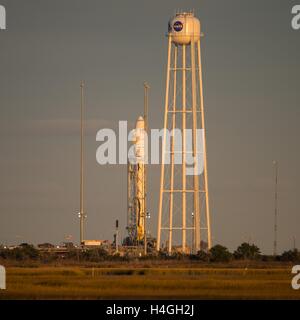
139	152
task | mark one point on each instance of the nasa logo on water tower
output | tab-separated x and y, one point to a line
177	26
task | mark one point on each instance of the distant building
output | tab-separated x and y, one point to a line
68	245
95	243
45	246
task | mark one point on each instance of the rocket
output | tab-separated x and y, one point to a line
139	152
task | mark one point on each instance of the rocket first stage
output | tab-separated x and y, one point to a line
136	186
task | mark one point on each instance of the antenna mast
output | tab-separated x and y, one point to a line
81	213
275	163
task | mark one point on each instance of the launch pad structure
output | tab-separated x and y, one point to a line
137	182
183	210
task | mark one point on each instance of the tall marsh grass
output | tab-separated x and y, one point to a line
147	283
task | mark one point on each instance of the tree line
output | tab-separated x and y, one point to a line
217	253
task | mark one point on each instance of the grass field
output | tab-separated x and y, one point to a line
147	283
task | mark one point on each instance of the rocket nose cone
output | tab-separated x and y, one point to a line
140	123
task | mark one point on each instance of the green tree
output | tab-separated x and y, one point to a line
290	255
220	253
247	251
202	256
95	255
29	251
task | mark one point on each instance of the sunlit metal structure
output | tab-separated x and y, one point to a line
137	181
183	213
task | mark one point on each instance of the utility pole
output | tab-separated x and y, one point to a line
193	234
117	236
146	100
294	242
275	163
81	213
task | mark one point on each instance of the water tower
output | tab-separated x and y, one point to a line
183	213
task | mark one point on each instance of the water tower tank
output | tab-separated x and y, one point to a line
184	28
